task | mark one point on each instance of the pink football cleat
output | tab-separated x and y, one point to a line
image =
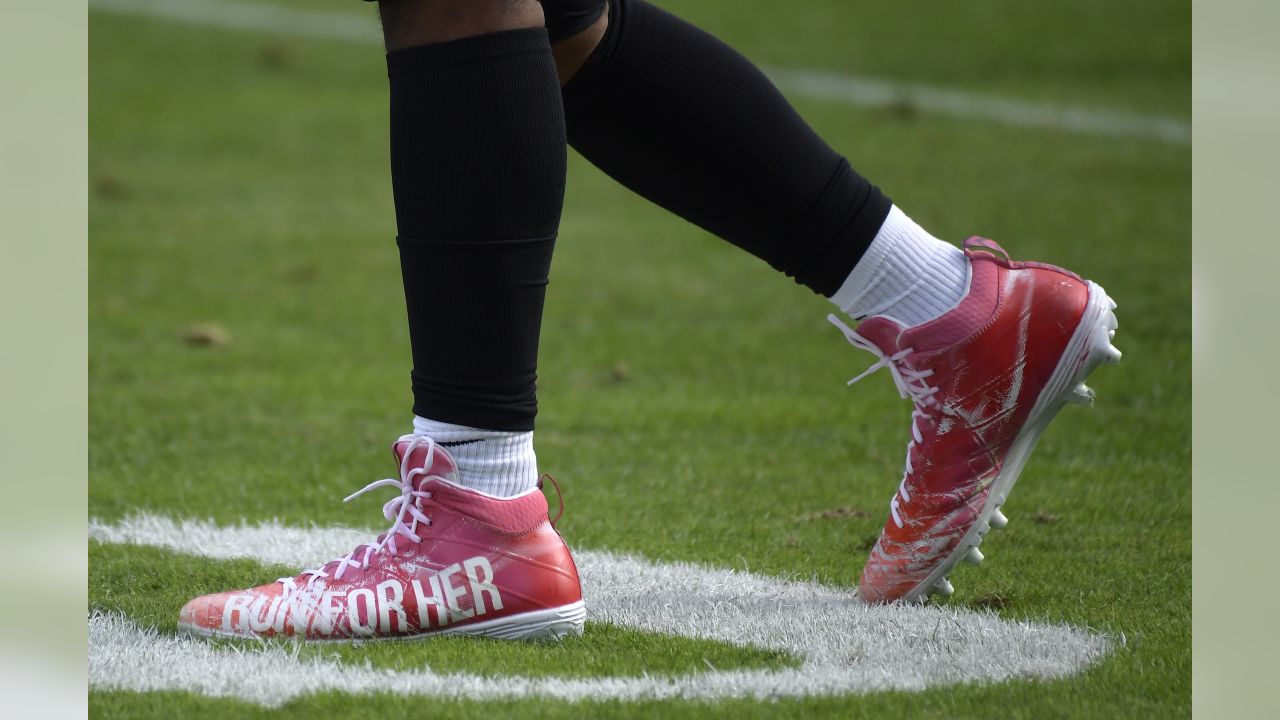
454	561
986	379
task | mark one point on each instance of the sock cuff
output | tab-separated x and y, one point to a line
442	431
906	275
470	50
863	276
498	463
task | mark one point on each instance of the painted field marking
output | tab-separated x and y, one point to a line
814	84
845	647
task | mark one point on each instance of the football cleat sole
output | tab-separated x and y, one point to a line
551	625
1090	346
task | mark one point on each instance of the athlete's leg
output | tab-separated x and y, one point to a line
987	349
690	124
477	163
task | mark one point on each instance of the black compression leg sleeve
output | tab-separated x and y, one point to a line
477	168
685	121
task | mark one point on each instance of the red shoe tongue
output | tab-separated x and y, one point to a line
440	463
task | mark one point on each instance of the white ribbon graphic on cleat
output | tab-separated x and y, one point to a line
845	647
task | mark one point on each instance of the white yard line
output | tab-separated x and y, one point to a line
871	92
260	17
845	647
812	84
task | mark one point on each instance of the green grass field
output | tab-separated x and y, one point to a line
692	401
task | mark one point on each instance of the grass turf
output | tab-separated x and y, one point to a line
692	401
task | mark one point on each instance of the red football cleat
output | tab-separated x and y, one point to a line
454	561
986	379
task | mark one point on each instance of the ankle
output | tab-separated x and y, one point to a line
494	462
906	275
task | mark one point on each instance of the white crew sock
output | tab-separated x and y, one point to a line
491	461
906	274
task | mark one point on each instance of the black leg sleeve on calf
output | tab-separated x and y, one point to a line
477	167
685	121
475	309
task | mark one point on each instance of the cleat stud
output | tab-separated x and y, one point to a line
998	520
944	588
1111	334
1111	355
974	556
1081	395
1112	303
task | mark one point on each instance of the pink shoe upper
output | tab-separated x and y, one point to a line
453	557
974	375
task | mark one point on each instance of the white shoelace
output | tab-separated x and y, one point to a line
911	385
406	505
